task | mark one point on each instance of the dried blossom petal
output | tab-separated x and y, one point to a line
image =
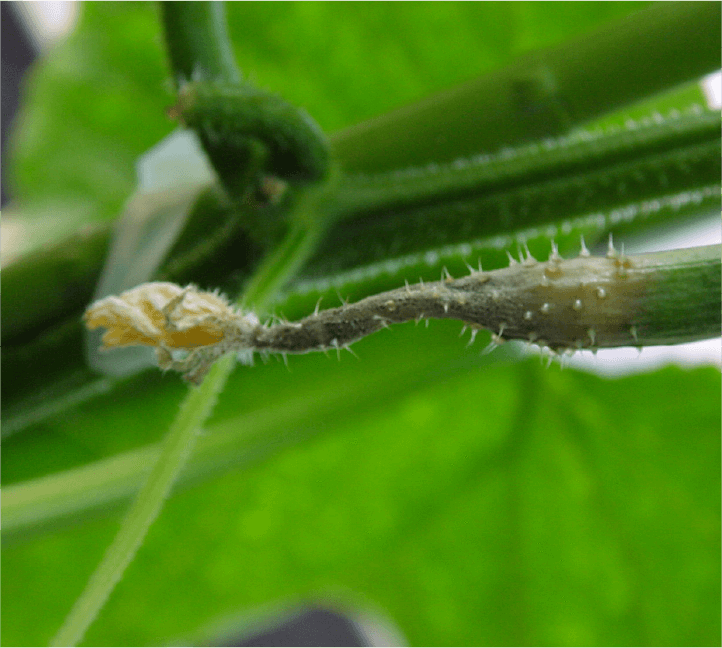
189	328
160	314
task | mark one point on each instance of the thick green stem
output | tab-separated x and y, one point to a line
684	301
545	92
653	148
523	187
197	40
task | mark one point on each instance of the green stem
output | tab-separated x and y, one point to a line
529	186
645	146
544	92
684	300
299	244
176	449
197	40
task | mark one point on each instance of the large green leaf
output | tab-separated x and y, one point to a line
469	499
471	503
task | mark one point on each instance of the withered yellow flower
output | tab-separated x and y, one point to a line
189	328
160	314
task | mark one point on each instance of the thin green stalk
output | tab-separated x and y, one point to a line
299	244
176	449
278	268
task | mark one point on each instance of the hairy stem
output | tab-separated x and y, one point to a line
586	302
519	187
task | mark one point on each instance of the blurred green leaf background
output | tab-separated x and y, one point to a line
466	500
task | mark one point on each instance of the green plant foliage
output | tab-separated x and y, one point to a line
474	504
469	500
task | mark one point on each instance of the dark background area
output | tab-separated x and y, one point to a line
18	53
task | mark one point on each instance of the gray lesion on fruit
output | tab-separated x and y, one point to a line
568	304
560	301
563	304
